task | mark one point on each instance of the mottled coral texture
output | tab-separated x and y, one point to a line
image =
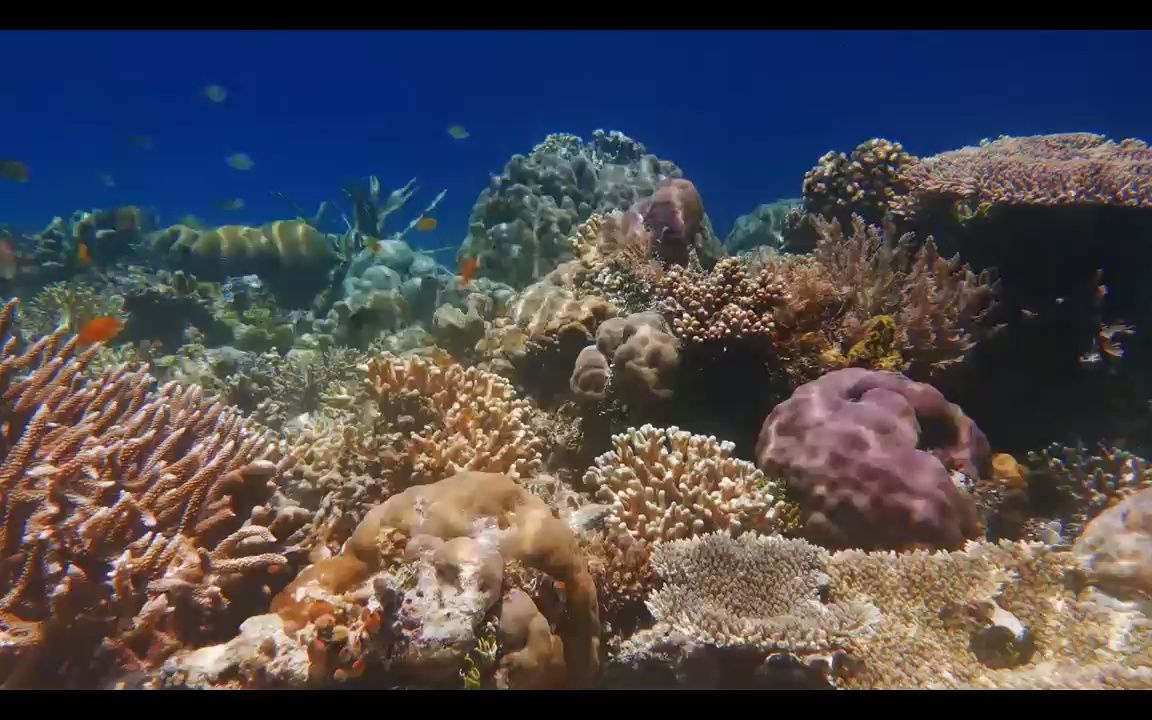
134	521
422	579
867	455
1116	549
1061	169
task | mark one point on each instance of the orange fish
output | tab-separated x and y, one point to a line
468	268
372	244
9	263
99	329
442	358
425	224
82	255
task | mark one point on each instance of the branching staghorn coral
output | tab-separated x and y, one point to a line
133	521
426	420
748	598
936	305
670	484
990	615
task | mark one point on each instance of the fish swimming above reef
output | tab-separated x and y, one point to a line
239	161
216	93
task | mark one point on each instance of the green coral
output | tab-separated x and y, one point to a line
877	349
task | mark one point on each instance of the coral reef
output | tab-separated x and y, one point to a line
420	580
868	455
1115	550
425	421
990	615
734	611
644	362
670	484
135	521
867	183
937	307
1071	486
519	224
761	228
67	305
1061	169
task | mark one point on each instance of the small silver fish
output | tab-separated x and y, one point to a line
239	161
216	93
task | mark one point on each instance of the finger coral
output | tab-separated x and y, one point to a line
133	521
670	484
753	598
427	421
868	454
727	303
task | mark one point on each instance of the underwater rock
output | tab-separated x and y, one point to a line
1115	550
761	228
457	331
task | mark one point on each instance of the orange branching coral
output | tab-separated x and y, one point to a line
1062	169
429	420
133	520
937	304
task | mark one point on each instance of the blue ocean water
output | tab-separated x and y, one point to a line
745	114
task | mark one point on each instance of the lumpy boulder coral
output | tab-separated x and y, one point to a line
415	597
868	456
1116	549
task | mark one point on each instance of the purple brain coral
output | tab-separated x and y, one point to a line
868	455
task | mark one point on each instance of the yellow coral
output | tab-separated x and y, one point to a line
876	350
